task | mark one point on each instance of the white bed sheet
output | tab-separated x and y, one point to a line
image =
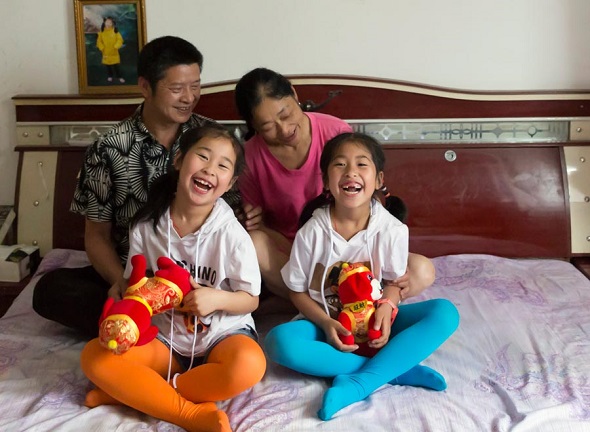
520	361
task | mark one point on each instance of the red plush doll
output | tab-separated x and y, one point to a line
358	290
127	322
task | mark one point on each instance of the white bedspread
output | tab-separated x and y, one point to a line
520	361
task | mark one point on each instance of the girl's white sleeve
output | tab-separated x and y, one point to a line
243	271
135	247
297	271
395	252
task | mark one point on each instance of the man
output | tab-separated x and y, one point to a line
117	172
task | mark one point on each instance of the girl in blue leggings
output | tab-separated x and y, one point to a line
350	225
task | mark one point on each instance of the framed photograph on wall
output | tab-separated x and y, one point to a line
109	37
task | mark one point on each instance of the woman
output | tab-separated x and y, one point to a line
283	173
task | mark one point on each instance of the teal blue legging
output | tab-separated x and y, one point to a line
418	330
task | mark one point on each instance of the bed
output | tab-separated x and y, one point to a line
497	186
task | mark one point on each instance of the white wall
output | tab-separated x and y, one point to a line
472	45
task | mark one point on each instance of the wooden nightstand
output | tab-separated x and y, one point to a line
9	291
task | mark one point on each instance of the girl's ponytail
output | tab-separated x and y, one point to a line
160	196
394	205
322	200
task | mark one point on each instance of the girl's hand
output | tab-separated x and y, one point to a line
383	323
383	313
201	301
316	314
332	329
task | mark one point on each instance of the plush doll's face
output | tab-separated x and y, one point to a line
357	283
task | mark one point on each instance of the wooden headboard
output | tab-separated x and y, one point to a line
499	173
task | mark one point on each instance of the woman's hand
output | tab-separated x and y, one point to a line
403	283
420	274
252	217
332	328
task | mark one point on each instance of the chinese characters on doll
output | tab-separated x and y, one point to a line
358	291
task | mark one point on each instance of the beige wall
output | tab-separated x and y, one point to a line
481	45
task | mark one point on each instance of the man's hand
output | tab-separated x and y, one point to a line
101	252
117	290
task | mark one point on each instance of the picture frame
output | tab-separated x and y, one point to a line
109	36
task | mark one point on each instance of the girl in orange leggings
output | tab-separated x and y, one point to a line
205	351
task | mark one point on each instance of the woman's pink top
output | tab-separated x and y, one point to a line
280	192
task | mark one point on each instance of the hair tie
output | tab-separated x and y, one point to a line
384	191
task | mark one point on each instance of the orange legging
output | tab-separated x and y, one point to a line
138	379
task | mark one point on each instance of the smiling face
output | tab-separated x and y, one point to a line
207	171
352	176
176	94
281	122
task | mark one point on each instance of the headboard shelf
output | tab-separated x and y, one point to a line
358	98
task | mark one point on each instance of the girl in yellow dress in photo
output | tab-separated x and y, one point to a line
108	42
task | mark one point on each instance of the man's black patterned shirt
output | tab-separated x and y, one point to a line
117	172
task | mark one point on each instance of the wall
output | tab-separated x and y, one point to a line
475	45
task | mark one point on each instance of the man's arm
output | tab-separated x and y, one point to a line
101	251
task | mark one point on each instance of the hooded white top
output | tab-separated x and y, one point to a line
317	249
219	255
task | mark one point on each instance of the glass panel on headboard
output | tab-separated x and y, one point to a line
77	135
387	132
86	133
499	131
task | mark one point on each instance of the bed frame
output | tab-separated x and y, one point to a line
503	174
506	174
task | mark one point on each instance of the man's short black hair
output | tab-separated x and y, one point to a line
162	53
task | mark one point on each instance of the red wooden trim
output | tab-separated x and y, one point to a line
72	113
565	182
369	103
352	103
49	148
360	98
17	190
68	227
502	201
